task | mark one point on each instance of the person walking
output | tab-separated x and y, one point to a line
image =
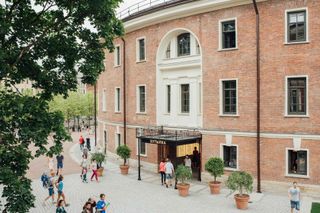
169	170
60	159
50	188
162	171
86	208
50	163
94	170
84	166
60	207
294	197
60	186
93	203
81	142
102	205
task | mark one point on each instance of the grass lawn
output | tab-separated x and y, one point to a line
315	208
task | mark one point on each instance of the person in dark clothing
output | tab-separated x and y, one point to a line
59	164
93	203
195	158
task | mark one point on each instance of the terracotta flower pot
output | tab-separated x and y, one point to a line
183	189
242	201
100	171
124	169
214	187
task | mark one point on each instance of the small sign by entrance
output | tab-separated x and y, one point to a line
157	142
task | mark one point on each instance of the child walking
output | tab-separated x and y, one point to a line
94	170
84	175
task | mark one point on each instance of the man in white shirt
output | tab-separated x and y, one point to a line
187	162
169	170
294	196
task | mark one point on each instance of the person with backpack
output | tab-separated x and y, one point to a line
44	180
50	188
102	205
81	142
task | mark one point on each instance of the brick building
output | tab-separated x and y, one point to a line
188	65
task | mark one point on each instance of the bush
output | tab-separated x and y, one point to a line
215	167
240	181
98	156
183	173
124	152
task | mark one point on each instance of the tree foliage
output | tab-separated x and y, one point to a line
240	181
215	167
124	152
47	42
183	173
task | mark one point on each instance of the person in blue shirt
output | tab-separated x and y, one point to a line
59	186
102	205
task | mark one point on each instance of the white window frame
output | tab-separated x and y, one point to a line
222	157
116	107
221	97
286	26
116	144
180	98
286	114
220	34
104	100
138	99
137	146
116	55
138	49
308	164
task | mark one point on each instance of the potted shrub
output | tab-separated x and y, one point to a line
241	182
124	152
183	173
215	167
99	157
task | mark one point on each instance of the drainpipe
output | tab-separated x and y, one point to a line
258	94
95	112
124	94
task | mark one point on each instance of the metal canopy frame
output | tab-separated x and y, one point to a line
161	136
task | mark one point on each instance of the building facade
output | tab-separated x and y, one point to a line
193	65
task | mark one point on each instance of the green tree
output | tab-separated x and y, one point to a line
47	42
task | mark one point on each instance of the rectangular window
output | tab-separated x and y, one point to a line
118	139
297	93
104	104
117	100
229	97
296	26
228	37
185	98
230	156
143	148
168	98
141	99
117	56
183	44
297	162
141	50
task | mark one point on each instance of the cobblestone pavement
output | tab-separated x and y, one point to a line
127	195
38	165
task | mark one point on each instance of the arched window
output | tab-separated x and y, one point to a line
184	44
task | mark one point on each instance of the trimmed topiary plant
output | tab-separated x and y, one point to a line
215	167
243	183
124	152
183	173
99	157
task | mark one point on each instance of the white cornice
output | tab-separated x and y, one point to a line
180	11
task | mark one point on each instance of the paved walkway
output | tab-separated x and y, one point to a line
127	195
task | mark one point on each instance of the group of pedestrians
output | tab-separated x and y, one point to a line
166	170
101	206
85	166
